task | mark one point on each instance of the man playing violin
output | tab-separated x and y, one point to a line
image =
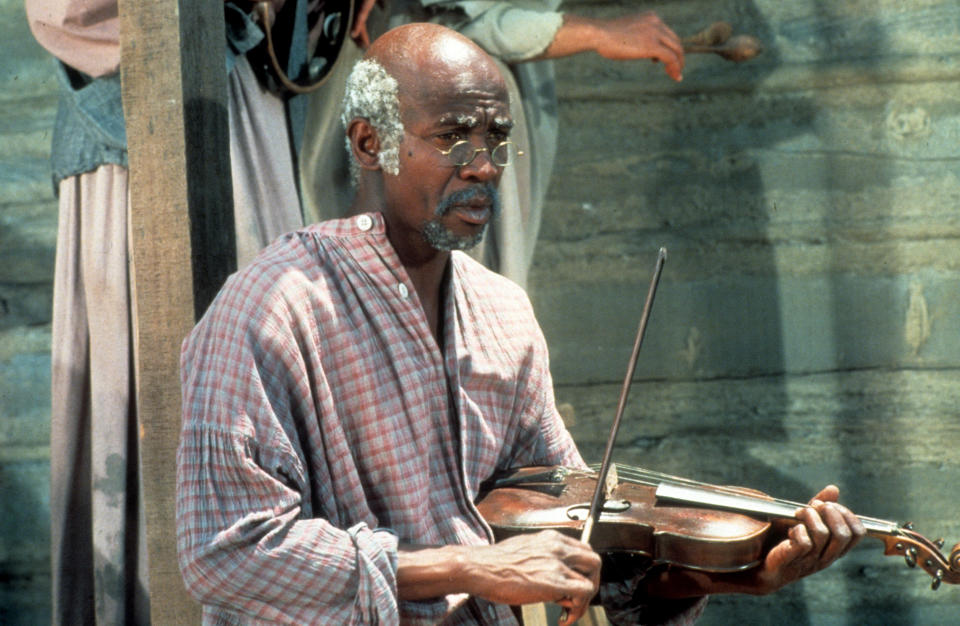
348	392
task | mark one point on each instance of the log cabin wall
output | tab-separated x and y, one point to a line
28	223
807	327
805	330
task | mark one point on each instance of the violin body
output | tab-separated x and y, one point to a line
540	498
675	521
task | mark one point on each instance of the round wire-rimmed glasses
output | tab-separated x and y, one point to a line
464	152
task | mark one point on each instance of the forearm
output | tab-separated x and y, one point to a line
425	572
432	572
537	567
577	34
623	38
627	37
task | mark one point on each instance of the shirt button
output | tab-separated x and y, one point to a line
364	222
404	292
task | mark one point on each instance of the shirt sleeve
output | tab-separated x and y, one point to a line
541	437
84	34
248	541
510	31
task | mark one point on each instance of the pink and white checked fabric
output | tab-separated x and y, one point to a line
322	425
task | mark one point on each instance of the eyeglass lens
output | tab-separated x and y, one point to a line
463	153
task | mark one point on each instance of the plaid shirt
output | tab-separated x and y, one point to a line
323	424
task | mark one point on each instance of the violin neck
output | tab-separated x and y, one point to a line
738	502
898	539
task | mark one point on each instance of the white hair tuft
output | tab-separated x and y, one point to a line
372	94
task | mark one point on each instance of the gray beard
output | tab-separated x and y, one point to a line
441	238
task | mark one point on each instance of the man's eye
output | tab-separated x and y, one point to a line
450	137
495	139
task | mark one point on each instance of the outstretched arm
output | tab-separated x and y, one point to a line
628	37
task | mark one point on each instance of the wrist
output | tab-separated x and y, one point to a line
432	572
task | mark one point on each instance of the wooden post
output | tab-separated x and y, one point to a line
542	615
174	99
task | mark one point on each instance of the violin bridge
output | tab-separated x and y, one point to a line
611	482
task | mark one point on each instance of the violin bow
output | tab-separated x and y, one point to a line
598	494
596	503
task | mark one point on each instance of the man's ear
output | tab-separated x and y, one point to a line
364	143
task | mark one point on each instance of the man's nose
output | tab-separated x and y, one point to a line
481	167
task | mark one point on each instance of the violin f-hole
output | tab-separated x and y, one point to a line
580	512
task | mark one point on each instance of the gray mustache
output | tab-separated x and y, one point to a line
465	196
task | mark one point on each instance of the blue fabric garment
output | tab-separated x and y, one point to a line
90	130
243	33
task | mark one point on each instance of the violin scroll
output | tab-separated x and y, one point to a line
918	550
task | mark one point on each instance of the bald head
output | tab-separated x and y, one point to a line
407	66
429	58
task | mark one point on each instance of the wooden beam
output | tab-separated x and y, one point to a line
174	99
547	615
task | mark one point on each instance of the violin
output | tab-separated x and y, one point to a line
667	519
675	521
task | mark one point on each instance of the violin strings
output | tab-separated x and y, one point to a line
652	479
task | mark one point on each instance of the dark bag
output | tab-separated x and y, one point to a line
301	48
